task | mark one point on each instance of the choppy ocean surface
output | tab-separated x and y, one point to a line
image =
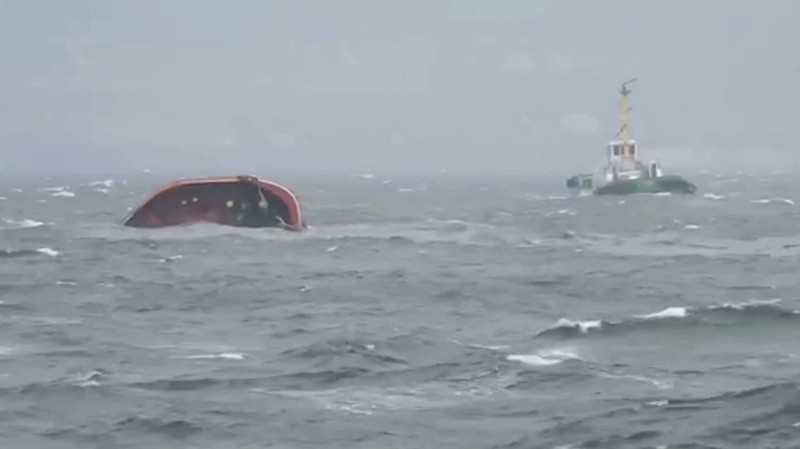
416	312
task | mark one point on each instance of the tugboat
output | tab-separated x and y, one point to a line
623	173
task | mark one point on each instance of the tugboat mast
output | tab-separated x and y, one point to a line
625	109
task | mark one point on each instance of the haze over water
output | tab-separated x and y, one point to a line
93	86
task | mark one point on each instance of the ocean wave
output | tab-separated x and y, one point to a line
419	232
773	201
765	413
13	253
221	356
322	378
399	360
192	383
338	237
761	416
172	428
546	357
670	316
339	348
25	223
107	183
48	251
375	400
714	197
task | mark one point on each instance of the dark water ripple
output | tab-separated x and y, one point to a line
416	312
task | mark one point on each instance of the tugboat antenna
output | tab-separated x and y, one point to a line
624	129
624	90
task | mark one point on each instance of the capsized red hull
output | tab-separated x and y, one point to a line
242	201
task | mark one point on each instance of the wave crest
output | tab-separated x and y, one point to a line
673	316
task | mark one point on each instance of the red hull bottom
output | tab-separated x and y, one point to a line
243	201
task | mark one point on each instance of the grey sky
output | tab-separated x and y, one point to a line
520	85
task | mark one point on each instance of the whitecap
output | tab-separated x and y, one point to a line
583	326
533	360
561	212
748	304
64	194
92	379
104	183
48	251
224	355
25	223
489	347
544	357
773	200
669	312
713	196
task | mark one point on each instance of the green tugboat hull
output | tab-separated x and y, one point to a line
661	184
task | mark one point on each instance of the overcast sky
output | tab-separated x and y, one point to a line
523	85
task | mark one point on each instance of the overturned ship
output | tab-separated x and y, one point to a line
242	201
